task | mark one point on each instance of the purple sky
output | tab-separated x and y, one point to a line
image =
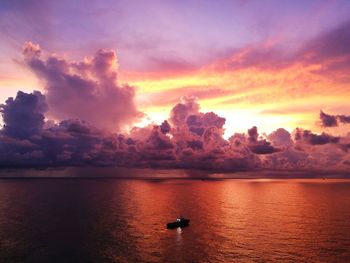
146	33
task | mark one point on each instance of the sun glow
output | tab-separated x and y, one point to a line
271	98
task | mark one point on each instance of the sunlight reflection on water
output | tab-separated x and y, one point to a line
124	220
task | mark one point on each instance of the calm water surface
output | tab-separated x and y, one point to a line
87	220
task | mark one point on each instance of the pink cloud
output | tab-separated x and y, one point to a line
86	90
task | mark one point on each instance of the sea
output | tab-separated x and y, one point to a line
59	217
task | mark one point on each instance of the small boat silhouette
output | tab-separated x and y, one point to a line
180	222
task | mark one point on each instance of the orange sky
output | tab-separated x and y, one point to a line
287	97
272	65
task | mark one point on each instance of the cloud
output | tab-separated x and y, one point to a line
24	115
266	76
78	121
330	48
280	138
263	147
259	145
188	139
315	139
181	111
165	127
328	120
85	90
344	119
253	134
332	44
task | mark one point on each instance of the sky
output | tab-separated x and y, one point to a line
120	64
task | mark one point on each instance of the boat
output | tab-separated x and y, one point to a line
180	222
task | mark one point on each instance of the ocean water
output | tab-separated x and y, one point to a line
121	220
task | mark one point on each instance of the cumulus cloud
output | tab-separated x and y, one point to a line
24	115
86	90
280	138
181	111
259	145
188	139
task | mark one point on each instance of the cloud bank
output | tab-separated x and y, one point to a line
77	121
188	139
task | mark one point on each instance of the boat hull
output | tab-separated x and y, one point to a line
182	223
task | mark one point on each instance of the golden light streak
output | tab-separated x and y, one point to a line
287	97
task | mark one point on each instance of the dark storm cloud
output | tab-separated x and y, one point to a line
86	90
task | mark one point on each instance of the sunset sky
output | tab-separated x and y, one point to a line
265	63
246	84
